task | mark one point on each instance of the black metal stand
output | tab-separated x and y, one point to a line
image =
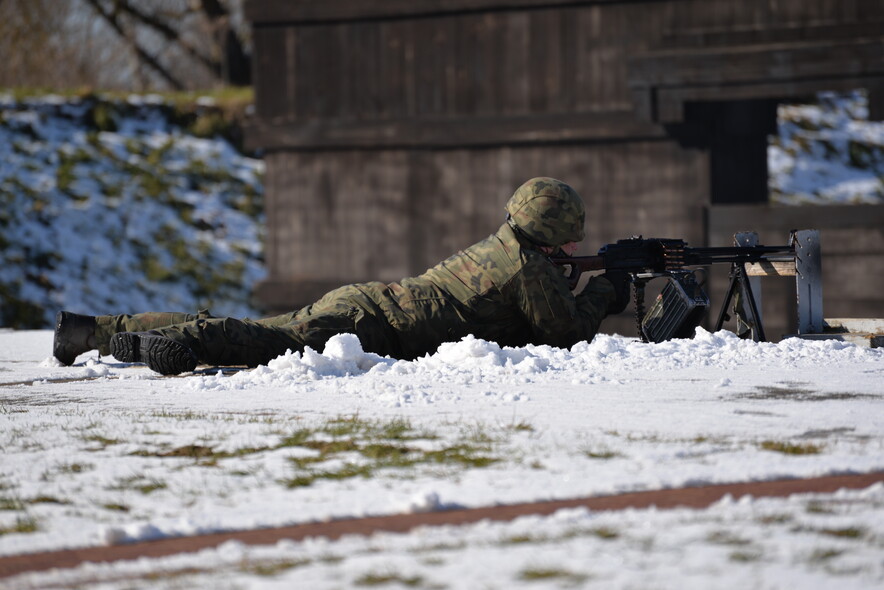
740	280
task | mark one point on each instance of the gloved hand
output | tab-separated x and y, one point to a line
620	280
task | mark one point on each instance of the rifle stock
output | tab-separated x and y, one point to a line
577	265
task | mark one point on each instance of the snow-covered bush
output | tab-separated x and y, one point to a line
112	206
827	153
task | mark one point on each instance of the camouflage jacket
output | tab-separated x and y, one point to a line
501	289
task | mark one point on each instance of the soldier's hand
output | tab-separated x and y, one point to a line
620	280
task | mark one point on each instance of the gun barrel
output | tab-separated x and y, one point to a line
729	254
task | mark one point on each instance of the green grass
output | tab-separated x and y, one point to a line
605	533
601	454
10	503
75	467
383	579
726	538
825	554
139	483
344	447
363	447
845	533
203	455
272	568
745	556
47	500
24	524
521	426
102	441
790	448
541	574
817	507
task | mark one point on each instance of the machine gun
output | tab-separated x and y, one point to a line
682	303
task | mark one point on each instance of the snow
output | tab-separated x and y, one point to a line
106	453
92	454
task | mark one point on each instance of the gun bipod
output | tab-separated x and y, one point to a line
746	307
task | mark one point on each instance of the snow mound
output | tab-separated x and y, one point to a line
343	356
472	360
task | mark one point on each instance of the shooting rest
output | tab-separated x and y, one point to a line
805	264
806	267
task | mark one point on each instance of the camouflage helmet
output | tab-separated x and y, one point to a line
547	211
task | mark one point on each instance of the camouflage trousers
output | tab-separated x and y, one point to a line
231	341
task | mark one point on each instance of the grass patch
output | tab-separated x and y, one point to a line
792	390
139	483
102	441
24	524
605	533
204	455
790	448
75	467
188	415
745	556
541	574
521	426
825	554
378	445
7	503
775	519
601	454
520	540
353	447
47	500
845	533
272	568
726	538
817	507
382	579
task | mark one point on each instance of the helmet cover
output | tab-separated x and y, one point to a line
548	212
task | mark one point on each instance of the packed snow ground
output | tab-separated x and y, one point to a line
103	452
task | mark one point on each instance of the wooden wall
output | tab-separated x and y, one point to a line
396	212
395	130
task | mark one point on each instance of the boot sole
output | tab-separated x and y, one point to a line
59	350
68	341
163	355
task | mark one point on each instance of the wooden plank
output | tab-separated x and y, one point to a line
270	90
276	12
731	65
670	102
449	132
541	66
511	64
771	269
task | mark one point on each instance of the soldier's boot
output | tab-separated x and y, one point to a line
74	335
163	355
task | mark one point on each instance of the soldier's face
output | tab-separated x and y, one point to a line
569	248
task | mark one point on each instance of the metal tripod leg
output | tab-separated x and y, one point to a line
740	280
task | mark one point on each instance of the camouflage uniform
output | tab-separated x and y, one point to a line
502	289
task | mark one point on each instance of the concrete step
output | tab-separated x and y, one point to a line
860	331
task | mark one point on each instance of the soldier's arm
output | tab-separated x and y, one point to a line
556	316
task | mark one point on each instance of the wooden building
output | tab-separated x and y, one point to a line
395	130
